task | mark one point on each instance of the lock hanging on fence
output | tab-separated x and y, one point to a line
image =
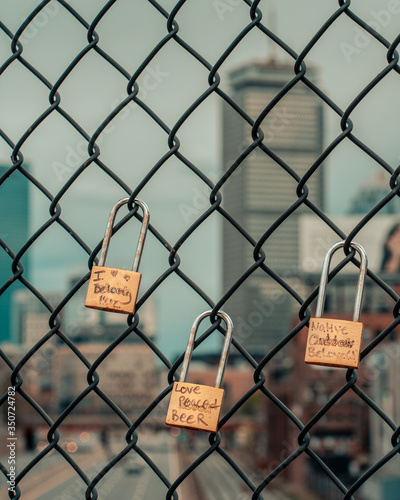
195	406
112	289
336	342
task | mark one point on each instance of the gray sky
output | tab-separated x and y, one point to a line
347	59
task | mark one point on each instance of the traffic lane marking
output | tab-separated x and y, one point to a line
55	480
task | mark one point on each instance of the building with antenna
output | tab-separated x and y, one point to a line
262	188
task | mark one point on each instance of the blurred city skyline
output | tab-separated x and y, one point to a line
133	143
84	382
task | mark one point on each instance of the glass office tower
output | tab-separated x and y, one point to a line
14	217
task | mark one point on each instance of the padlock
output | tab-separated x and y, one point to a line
336	342
112	289
195	406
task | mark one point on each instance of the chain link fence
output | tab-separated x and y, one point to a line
113	99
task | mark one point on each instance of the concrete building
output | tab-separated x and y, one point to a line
350	437
384	366
262	187
128	376
29	318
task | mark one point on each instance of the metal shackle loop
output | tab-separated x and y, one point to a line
142	235
360	283
225	348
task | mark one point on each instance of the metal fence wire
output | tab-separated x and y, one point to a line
130	61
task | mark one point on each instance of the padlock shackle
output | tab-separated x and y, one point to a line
225	349
142	235
360	284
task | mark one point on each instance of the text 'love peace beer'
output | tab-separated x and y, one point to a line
195	406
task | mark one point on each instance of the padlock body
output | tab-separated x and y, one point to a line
113	289
334	342
194	406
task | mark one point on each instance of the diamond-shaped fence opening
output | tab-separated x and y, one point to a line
259	134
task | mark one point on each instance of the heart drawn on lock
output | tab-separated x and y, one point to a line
126	277
114	272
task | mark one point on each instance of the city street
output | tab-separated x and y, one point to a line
219	482
131	479
216	480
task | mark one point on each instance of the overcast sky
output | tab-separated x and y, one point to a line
346	59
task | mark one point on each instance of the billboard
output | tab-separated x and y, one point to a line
380	239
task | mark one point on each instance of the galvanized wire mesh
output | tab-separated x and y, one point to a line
17	139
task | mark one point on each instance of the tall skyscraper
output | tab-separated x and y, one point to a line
261	189
14	217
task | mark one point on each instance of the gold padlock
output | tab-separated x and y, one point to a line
113	289
336	342
195	406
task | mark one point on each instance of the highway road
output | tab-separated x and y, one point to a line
218	481
132	479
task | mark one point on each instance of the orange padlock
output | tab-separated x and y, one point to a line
113	289
336	342
195	406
